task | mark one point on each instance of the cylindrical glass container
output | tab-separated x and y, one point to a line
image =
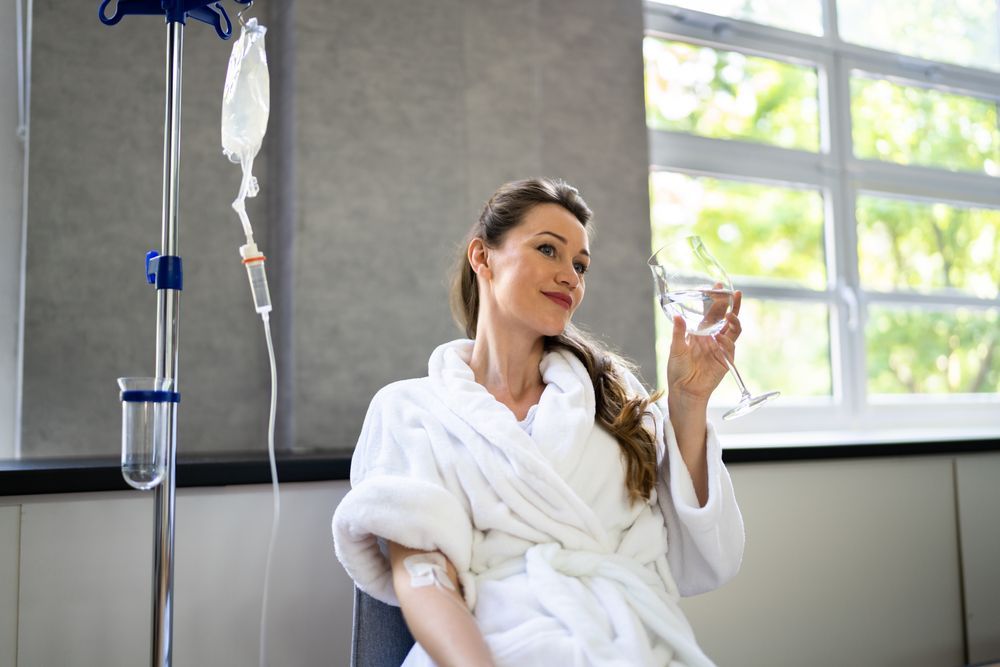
145	417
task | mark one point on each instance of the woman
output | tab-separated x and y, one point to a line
528	503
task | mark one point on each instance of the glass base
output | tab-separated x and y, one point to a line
749	404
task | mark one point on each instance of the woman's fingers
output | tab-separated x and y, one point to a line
737	300
720	304
677	341
733	326
727	344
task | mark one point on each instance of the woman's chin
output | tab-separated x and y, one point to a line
554	328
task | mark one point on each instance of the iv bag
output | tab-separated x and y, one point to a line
246	98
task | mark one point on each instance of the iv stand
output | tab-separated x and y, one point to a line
167	303
168	280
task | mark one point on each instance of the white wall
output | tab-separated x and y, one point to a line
9	529
85	579
848	563
11	169
979	526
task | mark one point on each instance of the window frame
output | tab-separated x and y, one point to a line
849	414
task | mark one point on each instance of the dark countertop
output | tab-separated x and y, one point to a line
75	475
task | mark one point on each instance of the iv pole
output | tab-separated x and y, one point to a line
165	270
167	303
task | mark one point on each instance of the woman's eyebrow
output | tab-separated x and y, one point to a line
563	239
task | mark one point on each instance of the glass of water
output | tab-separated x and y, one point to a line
691	283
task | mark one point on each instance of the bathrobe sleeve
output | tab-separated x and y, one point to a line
704	544
398	493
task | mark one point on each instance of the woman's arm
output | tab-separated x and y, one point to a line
695	368
437	617
689	419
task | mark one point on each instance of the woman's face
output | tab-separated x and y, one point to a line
536	276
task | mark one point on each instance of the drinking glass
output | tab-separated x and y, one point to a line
691	283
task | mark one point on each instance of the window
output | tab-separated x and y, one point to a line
842	160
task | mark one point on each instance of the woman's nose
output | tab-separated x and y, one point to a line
568	277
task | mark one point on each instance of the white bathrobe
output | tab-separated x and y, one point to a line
556	564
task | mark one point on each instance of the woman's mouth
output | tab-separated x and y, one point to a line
564	300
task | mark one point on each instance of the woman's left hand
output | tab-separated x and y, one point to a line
696	366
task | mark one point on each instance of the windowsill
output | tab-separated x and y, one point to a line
900	437
78	475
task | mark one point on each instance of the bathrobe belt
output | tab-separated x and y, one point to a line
550	570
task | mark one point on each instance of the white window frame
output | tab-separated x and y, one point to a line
848	415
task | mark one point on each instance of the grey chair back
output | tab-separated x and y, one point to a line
381	638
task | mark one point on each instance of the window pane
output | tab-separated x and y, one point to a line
800	15
785	346
727	95
767	233
964	32
917	351
910	125
916	246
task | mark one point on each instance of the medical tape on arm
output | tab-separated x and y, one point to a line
428	569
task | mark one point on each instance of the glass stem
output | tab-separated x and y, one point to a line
732	368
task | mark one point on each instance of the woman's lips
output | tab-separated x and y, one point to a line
562	299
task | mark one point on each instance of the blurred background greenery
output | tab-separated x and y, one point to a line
773	234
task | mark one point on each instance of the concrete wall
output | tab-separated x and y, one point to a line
847	563
94	210
11	178
410	115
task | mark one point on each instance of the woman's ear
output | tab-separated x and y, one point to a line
478	255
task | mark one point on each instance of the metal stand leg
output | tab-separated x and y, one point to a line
167	302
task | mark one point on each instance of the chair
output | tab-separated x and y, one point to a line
380	636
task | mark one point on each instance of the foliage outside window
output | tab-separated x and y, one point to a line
847	174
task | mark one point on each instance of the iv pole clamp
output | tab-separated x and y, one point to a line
165	272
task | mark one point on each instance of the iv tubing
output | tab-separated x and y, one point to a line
239	205
275	518
24	132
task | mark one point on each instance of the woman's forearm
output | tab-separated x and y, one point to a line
437	615
440	621
690	423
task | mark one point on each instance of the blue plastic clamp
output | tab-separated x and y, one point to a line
150	396
151	266
164	271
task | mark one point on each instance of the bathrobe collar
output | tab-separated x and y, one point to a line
564	421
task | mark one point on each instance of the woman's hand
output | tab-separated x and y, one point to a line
696	366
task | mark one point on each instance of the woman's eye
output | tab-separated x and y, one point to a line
581	268
547	250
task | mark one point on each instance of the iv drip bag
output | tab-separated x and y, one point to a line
246	98
246	101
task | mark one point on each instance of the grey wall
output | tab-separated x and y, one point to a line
409	116
11	170
94	211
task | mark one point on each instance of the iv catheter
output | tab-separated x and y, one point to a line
165	271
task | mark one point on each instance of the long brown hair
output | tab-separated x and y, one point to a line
617	411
